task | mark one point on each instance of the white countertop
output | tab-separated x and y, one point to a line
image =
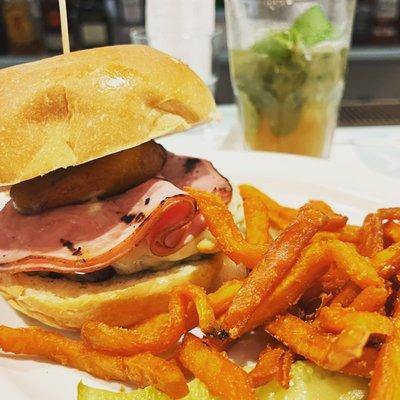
365	148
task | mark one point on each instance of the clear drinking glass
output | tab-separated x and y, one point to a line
288	61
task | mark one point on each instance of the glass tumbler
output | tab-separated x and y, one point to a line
288	61
203	64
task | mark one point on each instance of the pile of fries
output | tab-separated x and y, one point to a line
320	289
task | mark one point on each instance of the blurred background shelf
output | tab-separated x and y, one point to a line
368	53
364	53
10	60
374	53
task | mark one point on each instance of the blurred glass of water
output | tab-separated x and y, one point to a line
204	66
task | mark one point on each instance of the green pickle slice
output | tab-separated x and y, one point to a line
89	393
308	382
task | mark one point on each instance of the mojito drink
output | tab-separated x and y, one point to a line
289	86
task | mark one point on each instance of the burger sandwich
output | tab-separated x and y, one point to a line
97	225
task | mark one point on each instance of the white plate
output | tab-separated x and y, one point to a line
290	179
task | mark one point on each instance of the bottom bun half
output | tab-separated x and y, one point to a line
122	301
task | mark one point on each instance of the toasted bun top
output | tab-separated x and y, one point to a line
70	109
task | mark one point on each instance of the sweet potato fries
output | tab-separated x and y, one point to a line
141	370
321	290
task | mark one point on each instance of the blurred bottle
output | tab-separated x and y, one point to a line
219	4
130	14
52	26
23	26
3	35
91	23
386	28
363	22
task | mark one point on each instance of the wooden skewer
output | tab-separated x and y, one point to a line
64	26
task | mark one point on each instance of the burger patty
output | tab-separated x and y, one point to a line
101	178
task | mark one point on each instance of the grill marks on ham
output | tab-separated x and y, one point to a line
200	174
96	228
157	211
